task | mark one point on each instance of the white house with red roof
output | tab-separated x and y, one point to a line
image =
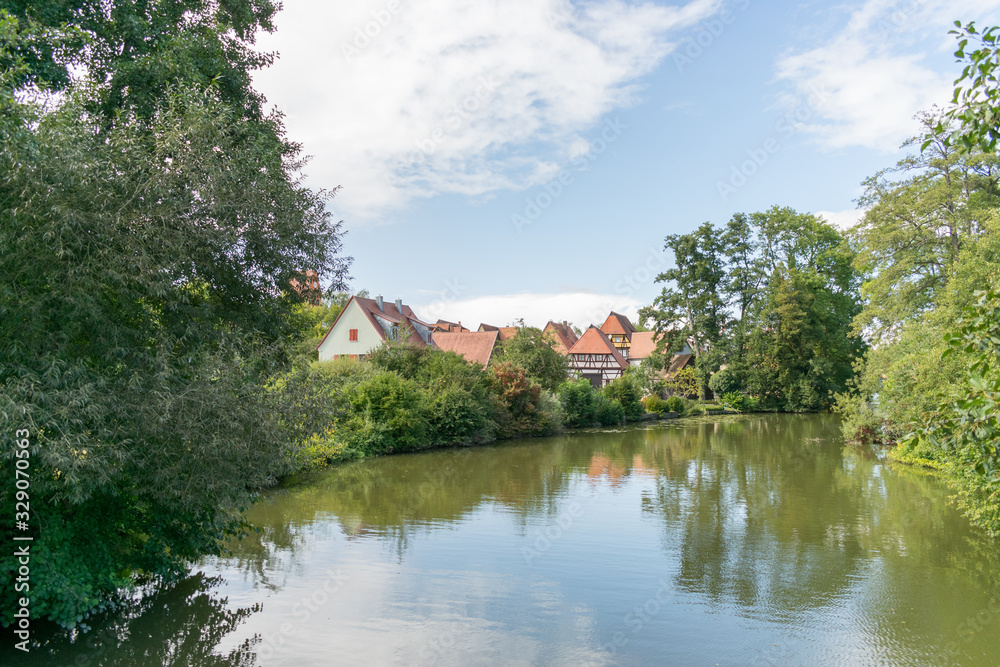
364	324
595	358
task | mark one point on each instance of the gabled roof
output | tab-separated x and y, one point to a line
450	327
643	344
617	325
677	363
565	337
475	346
388	312
505	332
594	341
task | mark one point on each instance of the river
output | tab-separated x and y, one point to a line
753	540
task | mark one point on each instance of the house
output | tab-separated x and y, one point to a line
449	327
475	346
619	330
595	358
562	335
505	332
644	344
364	324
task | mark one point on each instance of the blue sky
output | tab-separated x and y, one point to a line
525	158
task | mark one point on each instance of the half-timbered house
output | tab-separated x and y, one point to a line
619	331
595	358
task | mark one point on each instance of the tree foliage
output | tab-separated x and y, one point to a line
144	294
966	426
532	350
771	296
973	123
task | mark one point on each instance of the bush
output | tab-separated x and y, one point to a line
655	404
625	392
676	404
456	417
608	412
733	400
386	415
579	402
725	382
523	411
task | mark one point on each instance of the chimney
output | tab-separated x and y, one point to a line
378	301
399	306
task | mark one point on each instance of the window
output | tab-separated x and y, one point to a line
353	335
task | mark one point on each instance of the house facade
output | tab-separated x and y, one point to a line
364	324
619	331
596	359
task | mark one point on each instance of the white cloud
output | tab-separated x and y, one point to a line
842	220
397	100
875	73
581	309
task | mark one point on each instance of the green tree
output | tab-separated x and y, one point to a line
139	50
691	307
919	215
532	350
966	427
144	301
973	123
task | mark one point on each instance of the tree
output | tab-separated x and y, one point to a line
974	121
915	228
967	427
145	299
139	50
691	307
532	350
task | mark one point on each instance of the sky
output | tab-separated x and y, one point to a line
504	159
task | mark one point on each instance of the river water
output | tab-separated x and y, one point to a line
754	540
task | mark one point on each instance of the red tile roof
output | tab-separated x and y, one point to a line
643	344
617	324
594	341
475	346
450	327
678	362
565	337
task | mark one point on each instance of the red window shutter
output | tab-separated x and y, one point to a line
353	335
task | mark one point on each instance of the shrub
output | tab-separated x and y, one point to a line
456	417
386	415
625	392
655	404
676	404
578	399
523	410
608	412
733	400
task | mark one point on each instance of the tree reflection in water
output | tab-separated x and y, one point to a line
177	625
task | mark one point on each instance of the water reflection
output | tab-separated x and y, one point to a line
758	540
178	625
